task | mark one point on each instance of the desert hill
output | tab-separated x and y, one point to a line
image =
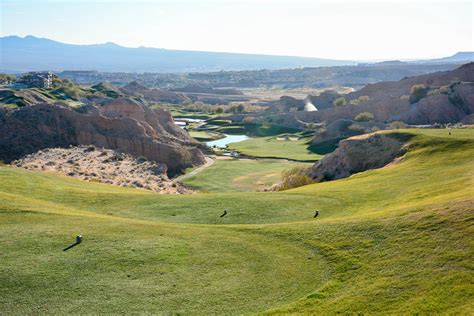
440	97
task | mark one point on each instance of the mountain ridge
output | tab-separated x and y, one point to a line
31	53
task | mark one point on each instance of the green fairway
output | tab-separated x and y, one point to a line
177	113
205	136
277	147
239	175
396	240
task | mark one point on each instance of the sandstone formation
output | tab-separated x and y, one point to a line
123	125
104	166
324	100
357	154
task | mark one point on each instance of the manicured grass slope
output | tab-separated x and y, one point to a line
393	240
272	147
243	175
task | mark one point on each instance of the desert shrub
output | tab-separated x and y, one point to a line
340	101
249	120
359	100
254	108
432	92
418	92
364	117
293	178
397	125
357	128
439	90
89	148
266	124
142	159
443	89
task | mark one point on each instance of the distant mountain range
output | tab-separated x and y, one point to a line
21	54
460	57
32	54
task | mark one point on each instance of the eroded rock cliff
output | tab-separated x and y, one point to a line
123	125
359	153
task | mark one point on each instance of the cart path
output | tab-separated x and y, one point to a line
209	162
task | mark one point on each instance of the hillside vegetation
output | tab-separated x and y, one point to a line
396	240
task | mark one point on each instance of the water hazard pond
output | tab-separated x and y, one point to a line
227	140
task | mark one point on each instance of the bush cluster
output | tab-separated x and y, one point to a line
293	178
418	92
364	117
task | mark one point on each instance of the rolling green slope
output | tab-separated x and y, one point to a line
277	147
392	240
242	175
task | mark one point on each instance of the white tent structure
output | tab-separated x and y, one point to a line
308	106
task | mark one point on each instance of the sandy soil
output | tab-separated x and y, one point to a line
105	166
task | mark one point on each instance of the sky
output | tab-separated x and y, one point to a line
350	30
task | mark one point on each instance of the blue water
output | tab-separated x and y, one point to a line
227	140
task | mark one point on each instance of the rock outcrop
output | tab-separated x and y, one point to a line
340	129
155	95
104	166
123	125
359	153
325	100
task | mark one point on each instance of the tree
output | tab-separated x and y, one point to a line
357	128
240	108
220	110
397	125
364	117
237	108
340	101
